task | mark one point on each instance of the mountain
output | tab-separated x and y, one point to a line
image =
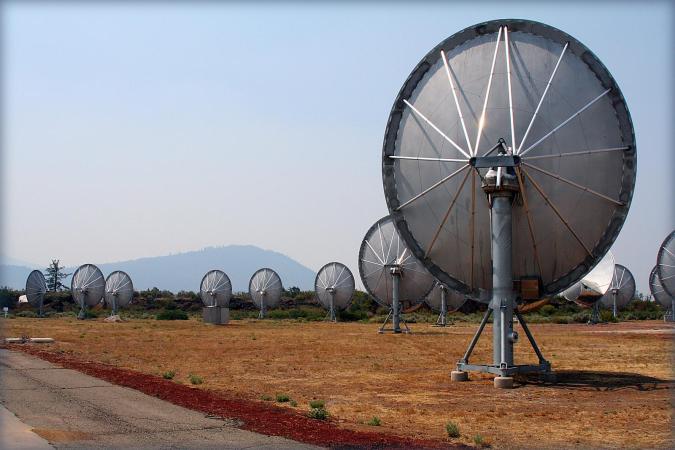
184	271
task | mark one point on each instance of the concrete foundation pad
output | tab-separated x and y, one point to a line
457	375
216	315
504	382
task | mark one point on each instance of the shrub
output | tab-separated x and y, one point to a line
195	379
581	317
267	398
452	429
169	374
26	314
172	314
375	422
547	310
293	403
318	413
607	316
478	440
317	404
283	398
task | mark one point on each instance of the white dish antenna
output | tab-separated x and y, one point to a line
265	288
334	287
87	287
36	288
621	291
119	291
215	289
390	272
594	285
442	300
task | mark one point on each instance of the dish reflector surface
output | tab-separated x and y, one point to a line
564	121
215	289
381	250
334	277
265	286
87	285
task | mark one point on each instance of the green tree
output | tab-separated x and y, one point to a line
54	274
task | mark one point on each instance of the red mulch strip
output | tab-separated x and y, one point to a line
259	417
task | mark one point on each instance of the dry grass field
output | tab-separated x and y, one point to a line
614	389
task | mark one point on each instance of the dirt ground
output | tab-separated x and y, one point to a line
615	381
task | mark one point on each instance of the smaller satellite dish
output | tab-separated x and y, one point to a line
588	292
594	285
442	300
215	289
660	295
390	272
36	287
119	290
334	287
621	291
265	289
87	287
665	264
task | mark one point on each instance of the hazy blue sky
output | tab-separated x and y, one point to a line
136	131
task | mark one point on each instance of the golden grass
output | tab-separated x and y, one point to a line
618	394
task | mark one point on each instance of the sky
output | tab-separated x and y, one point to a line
133	130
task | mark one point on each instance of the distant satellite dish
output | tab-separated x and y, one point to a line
87	287
665	264
265	289
36	287
594	285
588	292
390	272
442	300
621	290
215	289
334	287
119	290
659	294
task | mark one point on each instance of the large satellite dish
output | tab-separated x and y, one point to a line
265	289
36	288
334	286
87	287
389	271
215	289
665	264
442	300
621	291
119	290
594	285
509	154
659	294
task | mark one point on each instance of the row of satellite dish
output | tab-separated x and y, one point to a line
390	274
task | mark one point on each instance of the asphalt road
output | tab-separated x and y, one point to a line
73	410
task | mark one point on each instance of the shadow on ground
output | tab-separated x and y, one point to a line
599	381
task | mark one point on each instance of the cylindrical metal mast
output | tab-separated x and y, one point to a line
331	292
502	279
444	307
395	279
